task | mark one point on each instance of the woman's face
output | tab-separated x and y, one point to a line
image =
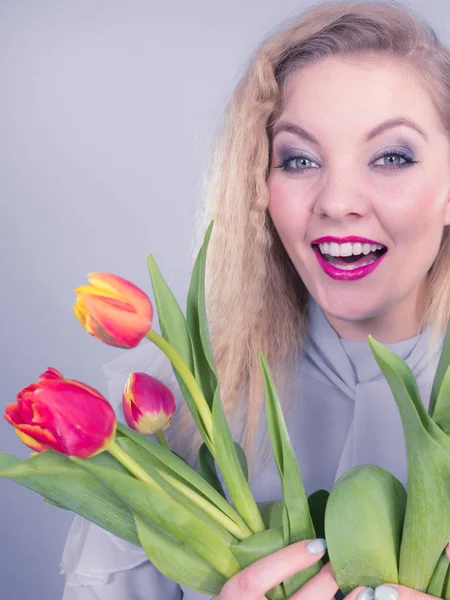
340	170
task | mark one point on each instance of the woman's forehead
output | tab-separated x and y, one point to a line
340	95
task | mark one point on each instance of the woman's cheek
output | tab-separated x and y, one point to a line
284	206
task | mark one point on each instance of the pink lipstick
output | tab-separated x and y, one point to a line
342	274
350	238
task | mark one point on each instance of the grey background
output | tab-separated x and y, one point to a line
107	116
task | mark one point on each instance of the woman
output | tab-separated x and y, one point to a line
330	191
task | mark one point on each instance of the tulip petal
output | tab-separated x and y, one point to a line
150	424
117	302
114	326
122	288
90	290
80	312
83	413
68	416
87	388
113	310
148	404
30	441
43	437
30	410
51	373
13	414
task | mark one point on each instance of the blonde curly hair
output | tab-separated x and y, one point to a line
255	297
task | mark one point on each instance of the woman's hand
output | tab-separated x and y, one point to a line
256	580
391	591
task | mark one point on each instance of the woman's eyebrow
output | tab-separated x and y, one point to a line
389	124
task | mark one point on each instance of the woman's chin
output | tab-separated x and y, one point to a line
351	309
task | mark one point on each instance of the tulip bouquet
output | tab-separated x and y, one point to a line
191	530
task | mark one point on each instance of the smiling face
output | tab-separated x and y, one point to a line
391	186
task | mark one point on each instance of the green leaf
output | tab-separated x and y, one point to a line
230	466
257	546
208	469
160	510
171	319
242	459
167	462
145	460
317	505
177	561
444	424
447	586
436	586
272	513
443	364
366	508
175	331
426	529
204	331
62	483
441	412
8	460
196	321
297	520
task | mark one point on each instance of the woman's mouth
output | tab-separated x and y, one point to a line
348	261
350	256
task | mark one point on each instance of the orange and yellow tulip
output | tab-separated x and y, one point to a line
65	415
148	404
113	310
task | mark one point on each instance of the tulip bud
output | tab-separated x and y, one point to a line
148	404
113	310
64	415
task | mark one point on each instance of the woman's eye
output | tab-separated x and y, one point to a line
394	160
296	164
388	160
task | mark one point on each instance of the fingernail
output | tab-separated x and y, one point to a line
385	592
367	594
317	546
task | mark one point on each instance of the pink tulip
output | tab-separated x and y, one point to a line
113	310
65	415
148	404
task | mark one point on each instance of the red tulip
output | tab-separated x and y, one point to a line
148	404
64	415
113	310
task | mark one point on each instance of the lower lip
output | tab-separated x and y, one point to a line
342	275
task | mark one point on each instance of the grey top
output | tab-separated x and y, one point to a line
344	415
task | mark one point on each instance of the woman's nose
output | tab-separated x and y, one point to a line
341	197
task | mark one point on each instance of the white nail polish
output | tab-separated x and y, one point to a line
385	592
367	594
316	546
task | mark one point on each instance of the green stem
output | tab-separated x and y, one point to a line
133	467
161	439
187	377
239	532
253	515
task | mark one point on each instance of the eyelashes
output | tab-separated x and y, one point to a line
285	163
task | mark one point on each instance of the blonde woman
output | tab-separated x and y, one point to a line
330	191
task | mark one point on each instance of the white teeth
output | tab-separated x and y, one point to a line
347	249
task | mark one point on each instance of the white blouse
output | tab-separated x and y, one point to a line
344	416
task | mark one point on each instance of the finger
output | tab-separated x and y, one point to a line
361	593
393	591
323	585
253	582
